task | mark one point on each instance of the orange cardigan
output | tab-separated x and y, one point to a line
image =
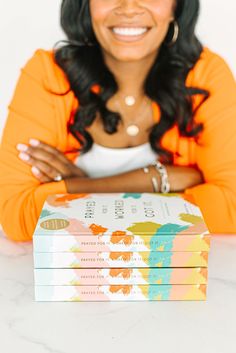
36	113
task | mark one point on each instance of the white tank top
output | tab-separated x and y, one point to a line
102	161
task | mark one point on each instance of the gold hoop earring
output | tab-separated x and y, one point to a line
175	35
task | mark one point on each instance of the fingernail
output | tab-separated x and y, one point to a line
21	147
24	156
34	142
35	170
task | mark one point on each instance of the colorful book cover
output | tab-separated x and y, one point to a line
120	276
120	222
154	292
121	259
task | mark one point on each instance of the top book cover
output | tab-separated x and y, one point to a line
113	213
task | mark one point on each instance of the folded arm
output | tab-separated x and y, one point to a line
216	156
31	115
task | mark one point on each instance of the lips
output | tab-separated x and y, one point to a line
126	37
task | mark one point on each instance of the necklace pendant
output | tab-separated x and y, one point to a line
132	130
129	100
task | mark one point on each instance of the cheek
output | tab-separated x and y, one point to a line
99	10
162	10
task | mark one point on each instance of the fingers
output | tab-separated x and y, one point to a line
40	176
49	149
41	169
48	155
49	161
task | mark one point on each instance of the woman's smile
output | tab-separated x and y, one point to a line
129	34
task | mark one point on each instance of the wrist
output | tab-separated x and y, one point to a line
77	185
183	177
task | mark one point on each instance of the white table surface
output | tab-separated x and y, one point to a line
165	327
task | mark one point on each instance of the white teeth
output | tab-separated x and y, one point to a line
129	31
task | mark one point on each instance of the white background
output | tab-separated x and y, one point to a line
26	25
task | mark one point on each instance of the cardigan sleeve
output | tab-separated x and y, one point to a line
216	149
31	114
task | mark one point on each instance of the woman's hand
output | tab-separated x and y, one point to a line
47	162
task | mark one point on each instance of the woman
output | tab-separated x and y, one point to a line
132	85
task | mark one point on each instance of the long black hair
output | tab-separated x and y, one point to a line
82	61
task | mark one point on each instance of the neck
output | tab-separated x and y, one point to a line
130	76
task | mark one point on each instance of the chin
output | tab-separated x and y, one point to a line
125	55
129	58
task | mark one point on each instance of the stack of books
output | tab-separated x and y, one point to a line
120	247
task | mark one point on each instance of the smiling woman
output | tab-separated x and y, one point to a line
131	85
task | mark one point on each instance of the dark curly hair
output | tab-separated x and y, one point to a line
165	83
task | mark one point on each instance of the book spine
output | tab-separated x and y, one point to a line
120	259
121	293
106	243
120	276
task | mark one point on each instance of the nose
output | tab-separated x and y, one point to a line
129	7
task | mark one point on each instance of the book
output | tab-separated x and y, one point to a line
121	242
120	247
121	259
132	222
121	292
120	276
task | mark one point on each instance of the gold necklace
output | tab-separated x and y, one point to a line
132	129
